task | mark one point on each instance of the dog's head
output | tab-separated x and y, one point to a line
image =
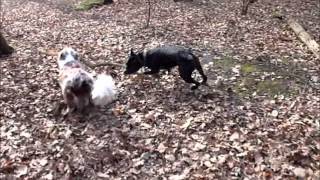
134	63
67	55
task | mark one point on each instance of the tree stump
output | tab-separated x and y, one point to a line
108	1
5	49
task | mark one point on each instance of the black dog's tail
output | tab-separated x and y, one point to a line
199	68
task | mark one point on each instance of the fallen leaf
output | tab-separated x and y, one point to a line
186	125
170	157
161	148
234	136
21	170
198	146
274	113
300	172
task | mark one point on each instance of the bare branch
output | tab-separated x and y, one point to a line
107	64
92	65
1	15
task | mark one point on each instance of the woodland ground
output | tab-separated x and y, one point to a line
259	119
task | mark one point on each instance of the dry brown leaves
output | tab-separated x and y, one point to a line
157	128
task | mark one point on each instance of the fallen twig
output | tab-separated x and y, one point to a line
312	45
108	63
304	37
92	65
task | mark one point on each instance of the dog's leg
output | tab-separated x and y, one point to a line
200	70
67	111
83	103
154	73
69	100
186	76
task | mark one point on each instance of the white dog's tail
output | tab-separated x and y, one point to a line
104	90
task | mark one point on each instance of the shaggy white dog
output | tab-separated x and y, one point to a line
81	88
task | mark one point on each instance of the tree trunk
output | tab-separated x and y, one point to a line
245	6
5	49
149	14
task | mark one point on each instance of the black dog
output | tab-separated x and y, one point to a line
166	57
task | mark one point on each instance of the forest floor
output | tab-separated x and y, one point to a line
258	119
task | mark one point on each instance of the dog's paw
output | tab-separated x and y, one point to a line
57	109
64	113
67	111
194	88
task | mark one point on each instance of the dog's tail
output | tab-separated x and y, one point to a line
199	68
104	90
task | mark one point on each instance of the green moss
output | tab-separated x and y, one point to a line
245	86
272	87
277	14
248	68
249	85
88	4
286	61
262	77
226	63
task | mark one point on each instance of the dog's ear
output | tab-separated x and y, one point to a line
76	56
62	56
131	52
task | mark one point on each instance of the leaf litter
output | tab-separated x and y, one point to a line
158	128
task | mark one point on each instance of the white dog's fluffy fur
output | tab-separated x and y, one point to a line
81	88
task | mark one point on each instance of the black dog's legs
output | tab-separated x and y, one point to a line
200	70
204	77
186	76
